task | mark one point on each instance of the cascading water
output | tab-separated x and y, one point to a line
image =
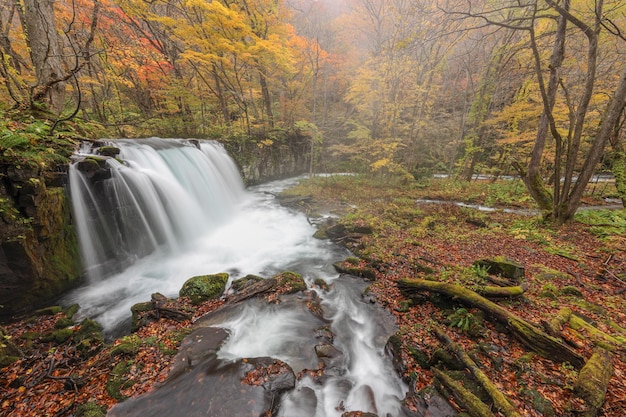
174	209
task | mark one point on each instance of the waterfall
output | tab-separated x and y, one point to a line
161	195
163	211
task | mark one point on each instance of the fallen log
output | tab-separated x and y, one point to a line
593	381
492	291
499	399
474	406
527	333
599	338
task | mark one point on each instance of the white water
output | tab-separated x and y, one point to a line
184	212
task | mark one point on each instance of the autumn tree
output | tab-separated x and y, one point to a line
55	49
565	80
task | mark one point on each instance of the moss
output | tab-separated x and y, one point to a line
111	151
290	281
71	310
90	409
571	290
63	322
118	381
204	287
244	282
136	314
420	356
320	283
49	311
58	336
599	337
129	346
540	403
593	380
358	271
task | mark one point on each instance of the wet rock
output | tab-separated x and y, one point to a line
252	289
245	282
111	151
204	287
428	403
200	384
289	282
327	351
159	307
347	267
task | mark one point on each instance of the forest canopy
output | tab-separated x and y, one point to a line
534	88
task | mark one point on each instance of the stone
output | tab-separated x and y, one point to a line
505	267
111	151
204	287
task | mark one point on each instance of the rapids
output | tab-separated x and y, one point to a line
173	209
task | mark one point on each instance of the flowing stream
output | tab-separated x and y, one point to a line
173	209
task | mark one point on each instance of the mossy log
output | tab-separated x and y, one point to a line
593	381
600	338
474	406
555	325
499	400
490	291
527	333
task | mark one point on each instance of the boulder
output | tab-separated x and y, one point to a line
505	267
201	384
204	287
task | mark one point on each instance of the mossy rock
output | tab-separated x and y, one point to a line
49	311
71	310
89	329
291	282
346	267
129	345
420	356
244	282
321	283
111	151
540	403
204	287
58	336
136	314
505	267
320	234
571	290
63	322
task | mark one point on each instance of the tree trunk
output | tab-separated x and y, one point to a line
527	333
609	121
267	100
532	178
43	40
618	164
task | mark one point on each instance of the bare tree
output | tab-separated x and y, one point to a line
571	162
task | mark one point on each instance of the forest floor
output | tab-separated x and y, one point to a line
580	266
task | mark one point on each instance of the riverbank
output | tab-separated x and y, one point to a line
580	267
